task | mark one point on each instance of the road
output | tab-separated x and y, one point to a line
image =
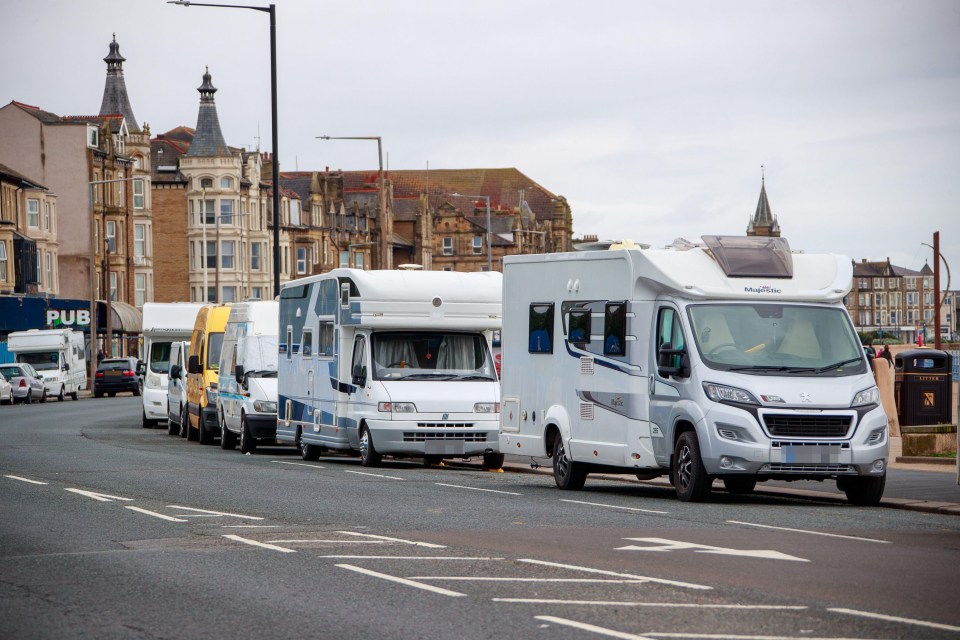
109	530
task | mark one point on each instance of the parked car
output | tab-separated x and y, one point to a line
26	382
6	391
116	375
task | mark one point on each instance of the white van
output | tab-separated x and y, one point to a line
177	389
390	362
247	388
734	361
57	355
163	324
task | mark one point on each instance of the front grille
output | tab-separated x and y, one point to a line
807	426
445	425
807	468
434	436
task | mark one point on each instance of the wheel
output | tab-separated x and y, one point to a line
863	492
228	440
43	396
173	428
203	436
310	452
493	461
29	398
193	433
75	395
740	484
248	444
146	424
369	456
7	400
432	461
137	391
98	394
568	475
184	422
61	395
690	479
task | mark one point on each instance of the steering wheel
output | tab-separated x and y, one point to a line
723	346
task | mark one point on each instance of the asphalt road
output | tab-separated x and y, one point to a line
109	530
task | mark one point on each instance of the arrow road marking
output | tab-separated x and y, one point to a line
155	514
24	479
604	572
388	539
102	497
662	544
409	583
262	545
214	513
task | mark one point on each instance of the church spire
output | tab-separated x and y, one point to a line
763	223
115	99
208	140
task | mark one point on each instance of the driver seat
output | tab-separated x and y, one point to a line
714	331
800	340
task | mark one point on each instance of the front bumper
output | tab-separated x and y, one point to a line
155	403
434	438
262	425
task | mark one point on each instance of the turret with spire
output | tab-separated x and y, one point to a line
208	140
763	223
115	99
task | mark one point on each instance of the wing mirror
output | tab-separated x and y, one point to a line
175	371
672	362
360	376
193	365
238	373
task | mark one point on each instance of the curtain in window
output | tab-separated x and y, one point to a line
456	352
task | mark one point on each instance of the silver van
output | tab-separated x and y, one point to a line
176	389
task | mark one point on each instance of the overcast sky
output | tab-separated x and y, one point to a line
651	118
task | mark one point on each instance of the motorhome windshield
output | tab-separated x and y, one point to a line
41	360
776	339
426	355
160	357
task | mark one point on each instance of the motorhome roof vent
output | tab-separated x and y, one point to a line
751	256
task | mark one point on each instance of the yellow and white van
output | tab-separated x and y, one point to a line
203	370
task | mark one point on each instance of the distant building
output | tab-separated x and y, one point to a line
891	300
763	222
28	236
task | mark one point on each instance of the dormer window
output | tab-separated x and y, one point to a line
93	136
206	183
226	183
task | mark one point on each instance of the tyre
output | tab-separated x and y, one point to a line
690	479
740	484
309	452
493	461
568	475
203	434
7	400
145	423
863	492
369	456
432	461
184	422
29	398
192	432
173	428
43	396
98	394
228	440
248	444
75	394
137	391
61	395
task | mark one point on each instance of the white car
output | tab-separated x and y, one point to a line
26	382
6	391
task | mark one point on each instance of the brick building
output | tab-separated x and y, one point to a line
891	300
28	236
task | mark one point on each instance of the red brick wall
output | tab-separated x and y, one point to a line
171	276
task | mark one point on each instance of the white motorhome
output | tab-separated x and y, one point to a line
734	361
57	355
247	387
163	324
390	362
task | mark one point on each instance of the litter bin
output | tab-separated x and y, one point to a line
922	387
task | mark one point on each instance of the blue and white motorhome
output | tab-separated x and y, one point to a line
390	363
734	360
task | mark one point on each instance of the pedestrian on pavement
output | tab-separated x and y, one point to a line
871	352
885	353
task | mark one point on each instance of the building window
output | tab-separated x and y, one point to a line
878	283
358	261
255	256
208	211
3	261
39	268
113	285
228	247
344	259
46	216
93	137
913	297
206	183
447	267
140	285
928	282
53	216
448	246
226	183
138	191
477	245
49	259
226	212
211	254
892	283
911	283
111	236
864	283
33	213
120	199
256	293
301	260
211	294
139	240
229	294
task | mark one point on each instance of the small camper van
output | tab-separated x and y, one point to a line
163	324
733	360
57	355
390	362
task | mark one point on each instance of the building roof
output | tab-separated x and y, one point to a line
208	139
45	117
115	99
883	269
8	174
763	217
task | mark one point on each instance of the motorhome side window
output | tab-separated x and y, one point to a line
325	346
359	353
541	328
306	344
579	330
615	329
670	334
289	343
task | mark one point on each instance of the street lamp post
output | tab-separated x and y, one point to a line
489	247
273	122
386	262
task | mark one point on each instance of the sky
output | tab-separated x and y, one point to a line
652	118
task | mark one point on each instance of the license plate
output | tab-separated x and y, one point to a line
114	373
454	447
823	454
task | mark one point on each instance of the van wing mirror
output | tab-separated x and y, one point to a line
140	367
193	365
175	372
360	376
672	362
66	366
238	373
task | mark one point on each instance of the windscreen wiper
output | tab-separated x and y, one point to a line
474	377
426	376
773	369
837	365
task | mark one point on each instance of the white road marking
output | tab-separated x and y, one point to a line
299	464
610	633
345	557
613	506
388	539
458	486
662	544
603	572
262	545
25	480
102	497
154	514
251	526
565	580
677	605
375	475
880	616
409	583
333	541
214	513
730	636
815	533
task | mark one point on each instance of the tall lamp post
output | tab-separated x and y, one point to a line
489	247
273	122
386	262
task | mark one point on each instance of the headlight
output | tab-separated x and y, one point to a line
212	393
264	406
867	396
153	380
723	393
486	407
397	407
